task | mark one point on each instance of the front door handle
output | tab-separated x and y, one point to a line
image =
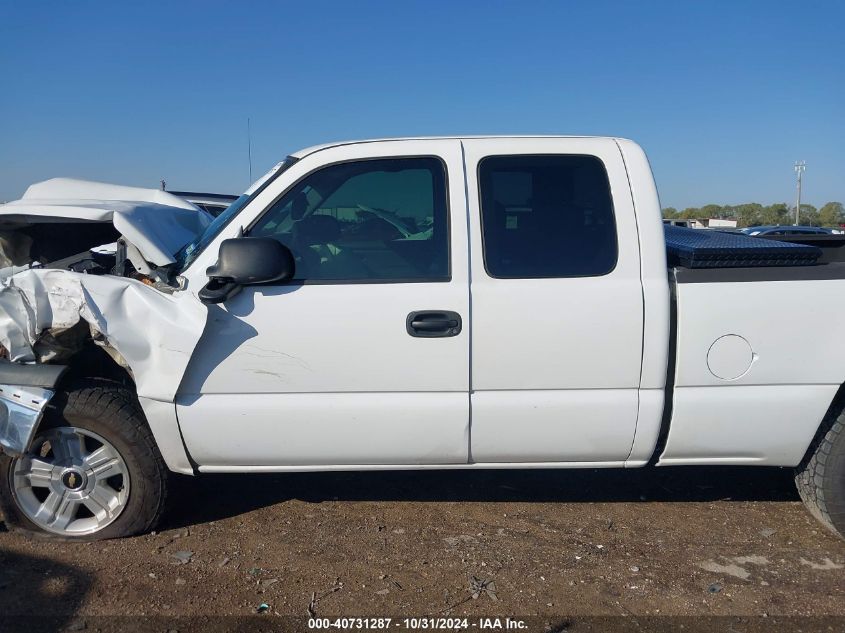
433	323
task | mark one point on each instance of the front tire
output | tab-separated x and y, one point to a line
93	471
820	477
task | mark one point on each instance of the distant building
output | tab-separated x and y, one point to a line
724	223
703	223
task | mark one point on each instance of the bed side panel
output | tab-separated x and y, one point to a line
758	364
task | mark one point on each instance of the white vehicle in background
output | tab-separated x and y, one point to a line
490	302
214	203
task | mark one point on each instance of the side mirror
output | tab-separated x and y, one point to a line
243	261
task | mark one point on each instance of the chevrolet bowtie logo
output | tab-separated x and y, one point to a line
72	480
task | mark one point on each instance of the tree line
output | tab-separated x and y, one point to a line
754	214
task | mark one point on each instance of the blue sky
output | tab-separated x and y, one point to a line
723	96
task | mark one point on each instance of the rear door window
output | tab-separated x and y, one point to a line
546	216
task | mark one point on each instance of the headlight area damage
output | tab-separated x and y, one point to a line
118	297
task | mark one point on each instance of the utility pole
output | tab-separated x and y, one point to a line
800	166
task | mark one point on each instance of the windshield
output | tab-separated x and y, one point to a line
189	252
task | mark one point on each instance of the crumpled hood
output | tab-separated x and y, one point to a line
156	222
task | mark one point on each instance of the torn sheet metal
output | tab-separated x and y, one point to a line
155	333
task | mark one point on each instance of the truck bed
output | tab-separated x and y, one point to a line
756	362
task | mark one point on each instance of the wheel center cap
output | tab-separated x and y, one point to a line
73	479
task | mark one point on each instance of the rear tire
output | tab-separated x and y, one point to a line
820	477
127	479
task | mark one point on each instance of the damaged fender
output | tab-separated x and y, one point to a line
155	333
151	332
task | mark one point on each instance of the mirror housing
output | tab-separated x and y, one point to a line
246	261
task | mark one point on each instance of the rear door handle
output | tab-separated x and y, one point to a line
433	323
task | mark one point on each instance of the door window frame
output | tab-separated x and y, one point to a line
337	282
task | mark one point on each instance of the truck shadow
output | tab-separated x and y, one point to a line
39	594
213	497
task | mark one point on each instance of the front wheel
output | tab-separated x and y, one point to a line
821	476
93	470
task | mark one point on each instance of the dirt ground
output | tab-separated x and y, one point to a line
690	542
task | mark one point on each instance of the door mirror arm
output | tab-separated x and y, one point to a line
218	291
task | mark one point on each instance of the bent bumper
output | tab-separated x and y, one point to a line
21	409
25	391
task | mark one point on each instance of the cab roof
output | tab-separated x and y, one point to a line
316	148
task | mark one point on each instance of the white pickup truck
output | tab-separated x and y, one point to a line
487	302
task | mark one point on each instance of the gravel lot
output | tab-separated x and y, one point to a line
690	542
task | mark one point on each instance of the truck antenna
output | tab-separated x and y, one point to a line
249	147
